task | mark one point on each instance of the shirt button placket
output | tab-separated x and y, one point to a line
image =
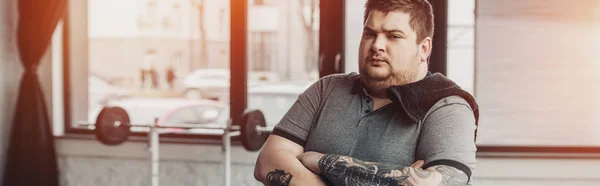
368	105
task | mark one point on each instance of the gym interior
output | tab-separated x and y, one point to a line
191	77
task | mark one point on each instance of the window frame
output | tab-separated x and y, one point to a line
238	79
79	133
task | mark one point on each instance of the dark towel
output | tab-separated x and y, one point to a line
417	98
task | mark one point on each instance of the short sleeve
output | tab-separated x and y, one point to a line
296	123
447	135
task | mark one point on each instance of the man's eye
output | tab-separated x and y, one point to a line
369	34
396	36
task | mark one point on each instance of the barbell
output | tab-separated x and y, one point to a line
113	127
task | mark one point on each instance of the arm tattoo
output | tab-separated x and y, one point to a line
279	178
344	170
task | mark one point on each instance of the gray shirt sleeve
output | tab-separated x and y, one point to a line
296	123
447	134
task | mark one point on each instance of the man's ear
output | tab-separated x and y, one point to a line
425	49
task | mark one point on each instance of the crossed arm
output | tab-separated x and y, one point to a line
344	170
280	165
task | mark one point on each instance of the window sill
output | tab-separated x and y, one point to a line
548	152
171	149
164	138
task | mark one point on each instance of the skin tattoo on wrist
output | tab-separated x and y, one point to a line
279	178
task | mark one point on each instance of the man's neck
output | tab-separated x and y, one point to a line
380	102
376	93
380	98
379	95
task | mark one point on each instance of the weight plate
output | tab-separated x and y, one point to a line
252	139
107	129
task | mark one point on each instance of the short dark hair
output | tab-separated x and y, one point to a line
420	11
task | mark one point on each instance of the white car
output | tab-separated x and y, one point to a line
207	84
213	83
101	92
165	112
273	100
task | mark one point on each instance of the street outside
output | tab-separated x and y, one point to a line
166	105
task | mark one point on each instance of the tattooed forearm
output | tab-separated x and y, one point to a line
279	178
343	170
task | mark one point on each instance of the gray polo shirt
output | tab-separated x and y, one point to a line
332	117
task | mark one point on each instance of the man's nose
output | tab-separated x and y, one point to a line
378	44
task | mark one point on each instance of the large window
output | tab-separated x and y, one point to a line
537	72
168	62
162	61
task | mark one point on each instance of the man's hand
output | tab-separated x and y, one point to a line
311	161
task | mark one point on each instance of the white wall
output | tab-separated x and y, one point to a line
353	26
553	81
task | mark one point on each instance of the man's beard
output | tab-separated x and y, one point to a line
394	77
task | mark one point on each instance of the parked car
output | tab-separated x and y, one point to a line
102	92
207	84
213	83
274	100
165	112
